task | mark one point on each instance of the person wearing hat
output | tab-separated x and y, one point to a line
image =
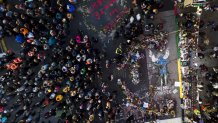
70	8
66	89
24	31
59	97
118	50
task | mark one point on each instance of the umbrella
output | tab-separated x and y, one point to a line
70	8
52	41
4	119
19	39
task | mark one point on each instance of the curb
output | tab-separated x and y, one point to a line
180	78
178	60
179	68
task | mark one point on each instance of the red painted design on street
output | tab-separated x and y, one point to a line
98	12
104	14
113	23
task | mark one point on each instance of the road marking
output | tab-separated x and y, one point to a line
178	62
180	78
1	48
4	48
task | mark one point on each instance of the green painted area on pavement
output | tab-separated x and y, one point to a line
177	38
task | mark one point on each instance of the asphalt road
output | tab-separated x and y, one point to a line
168	18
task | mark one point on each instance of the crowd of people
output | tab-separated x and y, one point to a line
196	75
54	74
36	17
52	71
187	43
207	88
138	35
151	7
149	109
